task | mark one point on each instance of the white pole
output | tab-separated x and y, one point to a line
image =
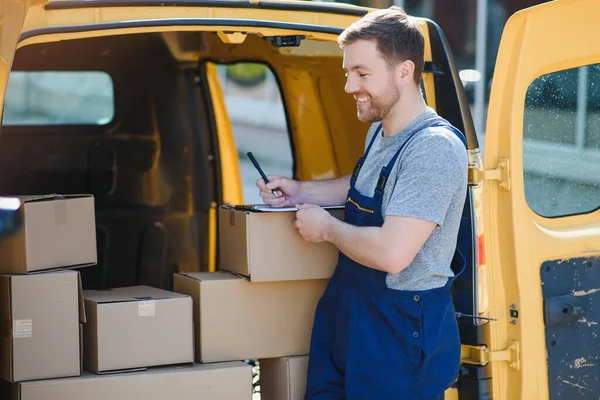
480	65
581	108
399	3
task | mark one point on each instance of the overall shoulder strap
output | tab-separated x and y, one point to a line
373	138
456	131
361	160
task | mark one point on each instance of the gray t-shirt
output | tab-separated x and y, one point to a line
428	181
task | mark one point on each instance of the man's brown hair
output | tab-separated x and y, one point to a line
398	37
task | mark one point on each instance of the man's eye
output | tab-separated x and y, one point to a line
362	75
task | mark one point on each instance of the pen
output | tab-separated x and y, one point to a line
260	171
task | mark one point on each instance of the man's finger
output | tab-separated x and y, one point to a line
276	183
304	206
266	195
280	202
260	184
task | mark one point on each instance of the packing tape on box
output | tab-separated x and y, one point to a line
147	308
60	212
22	328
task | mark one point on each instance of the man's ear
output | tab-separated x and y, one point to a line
405	71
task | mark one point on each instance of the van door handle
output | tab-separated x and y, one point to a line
562	310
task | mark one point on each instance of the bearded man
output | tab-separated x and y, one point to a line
385	327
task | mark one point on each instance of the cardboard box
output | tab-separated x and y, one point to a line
237	320
283	378
265	246
226	381
57	232
41	317
137	327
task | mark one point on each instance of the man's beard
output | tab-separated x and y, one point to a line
379	107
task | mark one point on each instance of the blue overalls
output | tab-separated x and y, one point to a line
376	343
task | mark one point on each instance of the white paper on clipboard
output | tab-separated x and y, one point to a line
267	208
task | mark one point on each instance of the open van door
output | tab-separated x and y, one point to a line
542	198
12	17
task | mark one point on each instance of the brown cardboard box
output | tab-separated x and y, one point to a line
58	232
225	381
283	378
236	320
265	246
41	317
137	327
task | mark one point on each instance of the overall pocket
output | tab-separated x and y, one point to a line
403	320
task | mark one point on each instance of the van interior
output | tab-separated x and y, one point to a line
153	161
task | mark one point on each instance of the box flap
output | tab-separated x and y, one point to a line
131	293
211	276
233	240
50	197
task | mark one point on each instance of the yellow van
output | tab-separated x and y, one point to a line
161	157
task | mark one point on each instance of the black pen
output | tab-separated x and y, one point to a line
260	171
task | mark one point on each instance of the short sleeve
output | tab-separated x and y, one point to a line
431	172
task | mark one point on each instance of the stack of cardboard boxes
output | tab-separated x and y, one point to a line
262	303
62	342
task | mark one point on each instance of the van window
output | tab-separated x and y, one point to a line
259	123
561	149
59	98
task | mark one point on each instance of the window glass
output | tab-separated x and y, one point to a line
59	98
561	150
259	123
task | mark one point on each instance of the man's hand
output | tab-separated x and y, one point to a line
330	192
287	191
312	222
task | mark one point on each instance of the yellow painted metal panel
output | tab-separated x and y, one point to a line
12	17
230	172
546	38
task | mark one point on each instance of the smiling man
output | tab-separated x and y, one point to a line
385	327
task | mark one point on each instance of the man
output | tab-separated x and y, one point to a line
385	327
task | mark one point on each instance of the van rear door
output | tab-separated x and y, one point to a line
542	198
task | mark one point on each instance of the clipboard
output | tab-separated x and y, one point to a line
267	208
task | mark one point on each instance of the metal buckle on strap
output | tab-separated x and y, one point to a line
381	182
357	168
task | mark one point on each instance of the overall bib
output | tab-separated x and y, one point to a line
372	342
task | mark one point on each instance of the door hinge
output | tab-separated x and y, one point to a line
500	173
481	355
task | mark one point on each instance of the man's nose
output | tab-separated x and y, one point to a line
351	85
